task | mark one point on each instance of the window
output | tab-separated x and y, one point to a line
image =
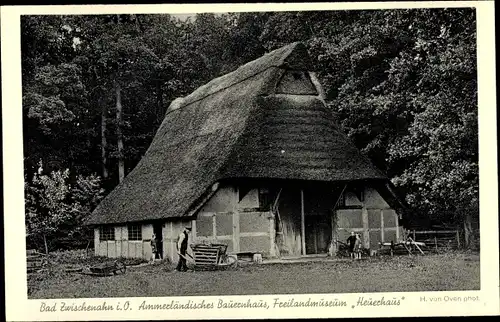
267	198
134	232
106	233
296	82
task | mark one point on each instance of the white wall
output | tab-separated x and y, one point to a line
351	199
223	200
121	246
374	200
250	200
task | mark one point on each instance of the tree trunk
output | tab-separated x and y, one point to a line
467	229
104	143
159	102
119	119
45	244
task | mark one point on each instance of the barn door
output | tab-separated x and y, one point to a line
318	234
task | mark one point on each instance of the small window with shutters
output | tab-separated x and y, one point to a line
296	82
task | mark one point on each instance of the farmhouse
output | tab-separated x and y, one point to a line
253	159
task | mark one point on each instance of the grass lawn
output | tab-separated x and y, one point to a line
383	274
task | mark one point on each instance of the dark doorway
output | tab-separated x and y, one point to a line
318	203
158	231
318	234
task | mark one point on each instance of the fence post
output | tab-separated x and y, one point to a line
458	238
435	242
414	239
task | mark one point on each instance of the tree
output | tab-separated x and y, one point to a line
403	85
55	208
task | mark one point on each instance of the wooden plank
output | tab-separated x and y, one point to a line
204	260
205	257
332	250
272	234
236	229
412	242
96	241
366	228
254	234
205	251
172	244
214	226
422	232
205	264
382	233
302	222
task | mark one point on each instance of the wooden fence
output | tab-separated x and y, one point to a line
437	240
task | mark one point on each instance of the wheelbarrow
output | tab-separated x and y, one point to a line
105	269
212	256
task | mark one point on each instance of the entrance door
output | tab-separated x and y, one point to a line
318	234
158	231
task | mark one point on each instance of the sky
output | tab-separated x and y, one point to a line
184	16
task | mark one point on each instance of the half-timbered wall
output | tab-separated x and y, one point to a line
233	217
370	217
305	223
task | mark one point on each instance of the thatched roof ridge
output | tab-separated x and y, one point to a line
292	56
235	127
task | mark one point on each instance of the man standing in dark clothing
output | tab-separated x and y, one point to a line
351	242
182	244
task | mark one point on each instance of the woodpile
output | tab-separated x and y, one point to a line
35	260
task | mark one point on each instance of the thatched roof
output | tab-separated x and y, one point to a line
235	127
